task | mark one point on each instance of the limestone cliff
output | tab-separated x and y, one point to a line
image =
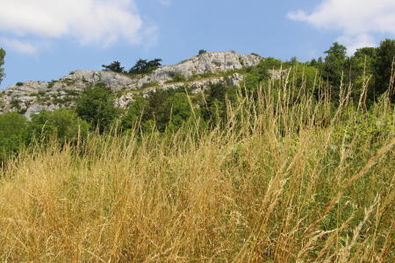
197	72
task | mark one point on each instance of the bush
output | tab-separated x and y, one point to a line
177	111
303	76
62	124
215	106
96	106
134	114
177	77
13	131
261	71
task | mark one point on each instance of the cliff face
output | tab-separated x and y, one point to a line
34	96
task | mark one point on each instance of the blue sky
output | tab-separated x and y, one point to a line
46	39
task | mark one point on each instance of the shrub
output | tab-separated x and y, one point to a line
96	106
215	106
16	103
166	109
149	84
177	77
13	131
51	84
257	74
62	124
134	114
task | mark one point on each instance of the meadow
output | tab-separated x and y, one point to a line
287	178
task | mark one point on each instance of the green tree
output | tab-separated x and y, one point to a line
178	111
2	55
64	124
13	132
333	66
360	71
96	106
303	76
202	51
293	60
162	105
217	97
164	109
261	72
144	66
135	114
383	67
115	66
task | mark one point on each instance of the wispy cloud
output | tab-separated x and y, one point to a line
165	2
357	20
19	46
88	22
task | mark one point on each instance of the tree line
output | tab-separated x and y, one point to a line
163	111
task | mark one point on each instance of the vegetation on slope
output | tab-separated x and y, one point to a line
278	170
280	180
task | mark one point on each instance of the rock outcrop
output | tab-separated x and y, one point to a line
33	96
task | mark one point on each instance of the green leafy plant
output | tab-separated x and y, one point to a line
96	106
64	125
13	134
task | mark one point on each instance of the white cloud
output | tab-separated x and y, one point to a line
353	42
358	20
24	47
97	22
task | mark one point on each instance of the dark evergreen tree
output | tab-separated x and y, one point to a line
144	66
114	66
2	55
385	67
202	51
333	65
359	71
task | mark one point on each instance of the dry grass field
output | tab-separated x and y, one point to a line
288	178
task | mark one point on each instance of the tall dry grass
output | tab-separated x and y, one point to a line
288	178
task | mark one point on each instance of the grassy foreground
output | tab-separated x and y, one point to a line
286	179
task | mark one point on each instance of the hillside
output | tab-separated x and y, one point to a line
197	73
220	158
274	180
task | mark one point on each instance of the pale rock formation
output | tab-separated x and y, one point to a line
33	96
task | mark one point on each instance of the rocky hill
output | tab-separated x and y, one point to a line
197	72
